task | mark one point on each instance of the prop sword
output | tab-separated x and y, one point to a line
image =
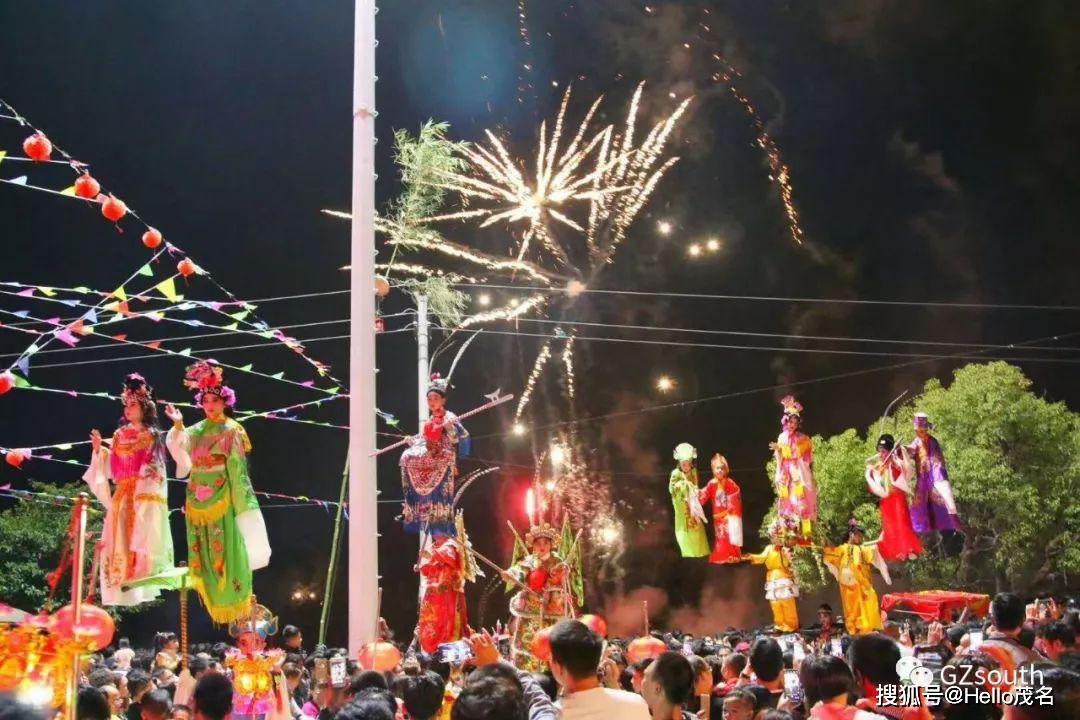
475	411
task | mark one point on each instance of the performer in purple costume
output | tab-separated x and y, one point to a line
933	507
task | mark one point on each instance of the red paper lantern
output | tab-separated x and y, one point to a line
541	645
186	268
380	656
151	238
37	147
95	628
15	458
6	382
87	187
645	647
595	623
113	208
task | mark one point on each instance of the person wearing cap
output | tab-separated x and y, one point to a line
888	476
933	509
850	564
689	515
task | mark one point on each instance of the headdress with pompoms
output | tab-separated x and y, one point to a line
542	529
685	452
207	377
260	621
792	409
438	385
136	389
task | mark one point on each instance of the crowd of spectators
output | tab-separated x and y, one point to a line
818	674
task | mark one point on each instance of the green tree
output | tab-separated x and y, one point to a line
1014	463
33	533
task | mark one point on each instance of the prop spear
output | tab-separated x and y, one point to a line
494	402
502	572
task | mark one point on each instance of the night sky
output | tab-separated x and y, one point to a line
933	152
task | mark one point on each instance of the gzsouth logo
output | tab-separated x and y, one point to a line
911	672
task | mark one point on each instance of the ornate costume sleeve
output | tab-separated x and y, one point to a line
940	477
879	563
179	444
831	557
734	519
249	519
874	482
707	493
97	477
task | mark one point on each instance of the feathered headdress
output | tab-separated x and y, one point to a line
206	377
438	385
136	389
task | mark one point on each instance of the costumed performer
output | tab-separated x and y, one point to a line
781	585
445	565
429	466
548	565
796	490
850	564
260	689
933	507
726	501
689	516
889	477
225	529
135	542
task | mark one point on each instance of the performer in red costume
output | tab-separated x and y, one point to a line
726	501
889	477
445	565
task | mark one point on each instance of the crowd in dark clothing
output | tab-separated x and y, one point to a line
818	674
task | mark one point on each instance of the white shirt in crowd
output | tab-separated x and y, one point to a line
604	704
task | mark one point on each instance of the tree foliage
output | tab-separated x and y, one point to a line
33	535
1014	463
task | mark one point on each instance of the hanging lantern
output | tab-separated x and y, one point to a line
6	382
595	623
152	238
113	208
87	187
94	631
645	647
382	286
380	656
37	147
540	646
186	268
15	458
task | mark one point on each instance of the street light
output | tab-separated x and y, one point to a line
665	384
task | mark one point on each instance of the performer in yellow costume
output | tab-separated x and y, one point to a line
850	564
781	585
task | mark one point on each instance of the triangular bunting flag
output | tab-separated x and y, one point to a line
69	191
120	337
90	316
167	287
146	271
23	364
21	180
47	291
21	382
66	337
3	154
28	292
120	294
153	345
246	368
185	351
278	375
240	315
231	326
63	446
82	289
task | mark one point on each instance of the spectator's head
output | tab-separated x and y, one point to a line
293	675
156	705
181	712
1070	660
575	653
775	714
101	677
423	695
733	666
379	695
825	615
489	698
873	660
198	666
739	704
1026	637
703	676
166	642
92	704
963	672
1007	611
369	679
767	660
668	684
638	673
1056	639
291	638
825	678
1064	694
365	707
213	697
163	677
116	700
11	708
955	634
138	684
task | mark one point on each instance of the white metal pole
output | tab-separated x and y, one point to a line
422	374
363	508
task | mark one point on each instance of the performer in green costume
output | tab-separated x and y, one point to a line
689	516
